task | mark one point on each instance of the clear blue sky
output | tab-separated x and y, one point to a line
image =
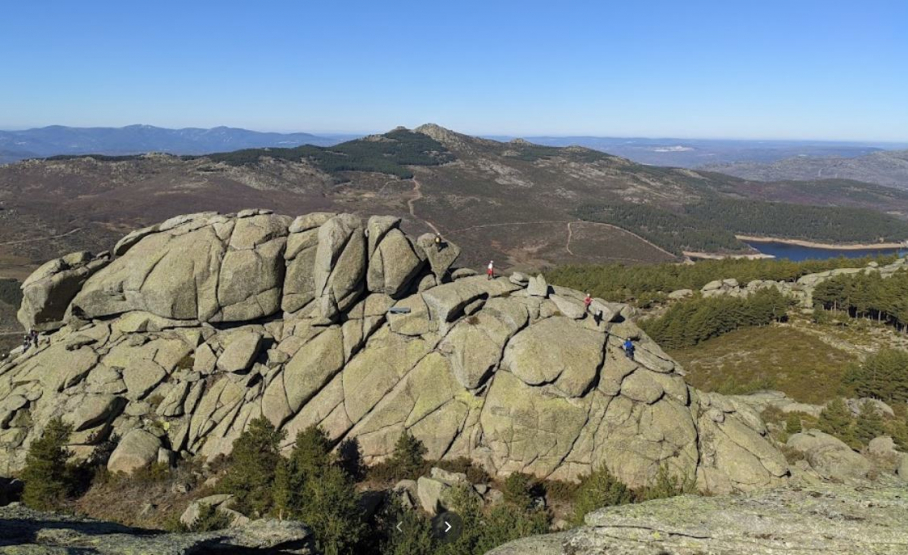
719	69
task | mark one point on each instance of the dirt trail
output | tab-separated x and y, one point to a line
417	195
570	231
42	238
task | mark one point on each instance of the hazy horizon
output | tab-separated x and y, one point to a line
493	135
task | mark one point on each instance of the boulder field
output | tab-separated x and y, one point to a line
170	344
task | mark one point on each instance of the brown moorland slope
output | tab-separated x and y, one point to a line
517	203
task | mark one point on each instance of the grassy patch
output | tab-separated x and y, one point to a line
769	357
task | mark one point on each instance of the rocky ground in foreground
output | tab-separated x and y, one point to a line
818	519
34	533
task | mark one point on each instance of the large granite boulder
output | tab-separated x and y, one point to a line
829	456
46	293
206	322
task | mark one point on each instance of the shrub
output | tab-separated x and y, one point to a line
557	490
599	489
793	424
464	501
518	490
251	473
506	522
475	474
414	537
210	519
666	485
47	475
882	376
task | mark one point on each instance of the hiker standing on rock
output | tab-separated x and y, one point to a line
491	271
587	302
438	241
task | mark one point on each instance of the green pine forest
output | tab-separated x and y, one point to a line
711	225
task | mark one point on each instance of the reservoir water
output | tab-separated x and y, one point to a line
797	252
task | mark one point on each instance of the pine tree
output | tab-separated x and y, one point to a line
47	475
407	458
883	376
330	506
869	423
254	461
836	420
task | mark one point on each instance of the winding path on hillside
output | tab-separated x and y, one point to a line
417	195
20	241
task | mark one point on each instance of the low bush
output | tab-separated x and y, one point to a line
210	519
596	490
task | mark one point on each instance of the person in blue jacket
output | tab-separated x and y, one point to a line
629	348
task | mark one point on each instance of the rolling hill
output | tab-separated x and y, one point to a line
137	139
889	168
521	204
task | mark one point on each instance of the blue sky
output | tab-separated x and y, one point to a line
720	69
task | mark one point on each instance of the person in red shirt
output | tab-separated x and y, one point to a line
491	270
587	301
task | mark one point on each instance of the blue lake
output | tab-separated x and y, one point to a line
797	252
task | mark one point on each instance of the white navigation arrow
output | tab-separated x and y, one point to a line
447	526
398	527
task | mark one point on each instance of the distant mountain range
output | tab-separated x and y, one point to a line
889	168
695	153
138	139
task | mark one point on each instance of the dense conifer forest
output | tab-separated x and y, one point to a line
642	284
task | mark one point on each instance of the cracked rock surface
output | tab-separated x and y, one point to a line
205	322
789	521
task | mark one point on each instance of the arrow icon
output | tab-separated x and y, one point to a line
398	527
447	526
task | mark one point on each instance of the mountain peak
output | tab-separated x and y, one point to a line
439	133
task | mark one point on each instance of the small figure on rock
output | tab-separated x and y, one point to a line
26	342
491	270
438	241
597	317
629	348
33	337
587	301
